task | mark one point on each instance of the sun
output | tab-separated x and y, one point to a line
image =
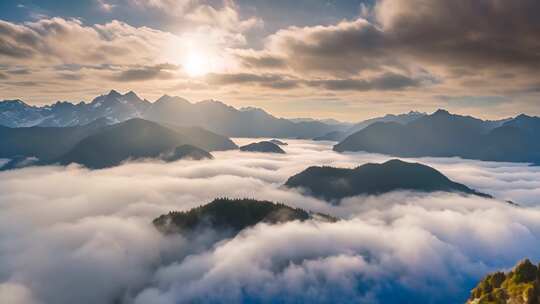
196	64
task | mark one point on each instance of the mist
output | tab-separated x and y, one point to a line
72	235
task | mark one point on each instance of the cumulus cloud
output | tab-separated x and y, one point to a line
226	18
461	45
482	34
95	238
66	41
176	7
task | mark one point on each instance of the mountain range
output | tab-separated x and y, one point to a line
403	119
332	184
442	134
211	115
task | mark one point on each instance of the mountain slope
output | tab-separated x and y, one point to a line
43	143
185	152
519	286
231	215
133	139
373	179
445	135
403	119
263	146
400	119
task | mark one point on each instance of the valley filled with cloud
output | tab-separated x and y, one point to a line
90	232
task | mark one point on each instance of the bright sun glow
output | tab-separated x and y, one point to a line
196	64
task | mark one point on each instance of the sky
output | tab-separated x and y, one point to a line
93	242
348	60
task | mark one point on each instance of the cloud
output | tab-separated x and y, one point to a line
479	34
71	76
226	18
105	6
16	41
21	71
96	240
176	7
405	33
66	41
385	82
259	60
161	71
16	294
265	80
344	48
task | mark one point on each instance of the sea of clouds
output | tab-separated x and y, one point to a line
72	235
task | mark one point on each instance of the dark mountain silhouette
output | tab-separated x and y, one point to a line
372	179
185	152
97	139
403	119
18	162
133	139
43	143
400	118
446	135
519	286
262	146
332	136
227	215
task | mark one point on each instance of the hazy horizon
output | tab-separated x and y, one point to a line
347	60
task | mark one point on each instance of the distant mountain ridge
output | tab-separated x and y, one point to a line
98	145
211	115
442	134
374	179
399	118
113	106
